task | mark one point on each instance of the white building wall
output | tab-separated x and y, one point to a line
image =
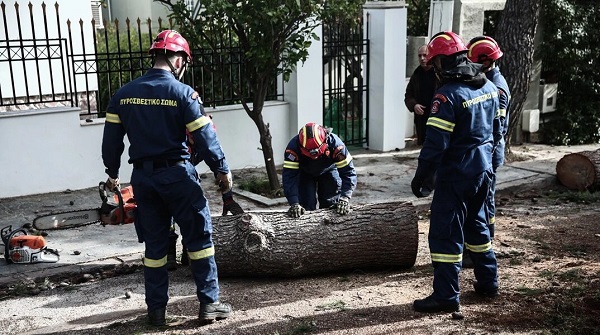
51	150
387	72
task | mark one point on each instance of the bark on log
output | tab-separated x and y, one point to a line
371	237
580	170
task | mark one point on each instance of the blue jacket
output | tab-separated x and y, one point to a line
460	131
154	111
498	79
335	157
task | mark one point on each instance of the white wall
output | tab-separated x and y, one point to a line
51	150
387	72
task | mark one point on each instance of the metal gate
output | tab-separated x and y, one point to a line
345	65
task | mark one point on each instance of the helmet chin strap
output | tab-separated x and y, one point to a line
178	73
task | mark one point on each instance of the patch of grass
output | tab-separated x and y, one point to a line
547	274
576	250
515	261
303	327
529	291
565	318
582	197
339	305
260	186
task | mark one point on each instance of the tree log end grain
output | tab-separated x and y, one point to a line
579	171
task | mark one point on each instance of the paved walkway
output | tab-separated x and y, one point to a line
382	177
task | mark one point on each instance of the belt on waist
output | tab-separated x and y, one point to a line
158	164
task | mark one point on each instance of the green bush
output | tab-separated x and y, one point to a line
570	56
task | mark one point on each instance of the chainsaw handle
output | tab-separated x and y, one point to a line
121	203
104	196
102	191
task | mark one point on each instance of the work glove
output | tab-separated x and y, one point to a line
418	189
423	183
296	211
224	181
230	205
112	184
343	206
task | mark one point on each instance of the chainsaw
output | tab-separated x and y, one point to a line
117	209
21	248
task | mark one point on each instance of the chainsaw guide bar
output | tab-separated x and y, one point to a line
68	219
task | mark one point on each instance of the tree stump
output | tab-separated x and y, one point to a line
371	237
580	170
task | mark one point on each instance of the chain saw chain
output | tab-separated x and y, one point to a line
118	209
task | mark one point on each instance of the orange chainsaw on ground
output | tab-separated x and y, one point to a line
21	248
114	210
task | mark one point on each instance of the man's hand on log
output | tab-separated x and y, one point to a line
296	211
343	206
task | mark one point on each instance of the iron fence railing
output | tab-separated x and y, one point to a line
43	67
345	81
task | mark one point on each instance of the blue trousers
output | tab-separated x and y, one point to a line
324	188
458	221
166	193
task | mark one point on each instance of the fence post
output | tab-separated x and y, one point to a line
304	90
386	31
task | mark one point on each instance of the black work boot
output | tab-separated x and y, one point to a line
157	317
172	253
431	305
214	311
485	292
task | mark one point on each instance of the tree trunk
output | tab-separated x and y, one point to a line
580	171
515	35
260	93
370	237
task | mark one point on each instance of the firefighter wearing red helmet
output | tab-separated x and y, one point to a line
456	161
486	51
154	111
170	41
317	167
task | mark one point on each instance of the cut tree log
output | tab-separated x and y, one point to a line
265	244
580	170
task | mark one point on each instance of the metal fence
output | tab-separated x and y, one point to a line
345	81
83	66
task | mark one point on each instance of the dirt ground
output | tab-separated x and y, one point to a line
547	244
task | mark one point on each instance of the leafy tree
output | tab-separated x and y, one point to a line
515	34
120	57
570	57
418	17
272	36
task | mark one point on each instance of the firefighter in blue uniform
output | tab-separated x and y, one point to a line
154	111
456	160
486	51
317	167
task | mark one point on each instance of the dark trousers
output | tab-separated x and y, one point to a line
324	188
458	221
162	195
420	128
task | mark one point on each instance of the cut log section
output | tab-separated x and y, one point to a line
371	237
580	170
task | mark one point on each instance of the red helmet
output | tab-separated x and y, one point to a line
444	43
483	48
312	140
172	41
